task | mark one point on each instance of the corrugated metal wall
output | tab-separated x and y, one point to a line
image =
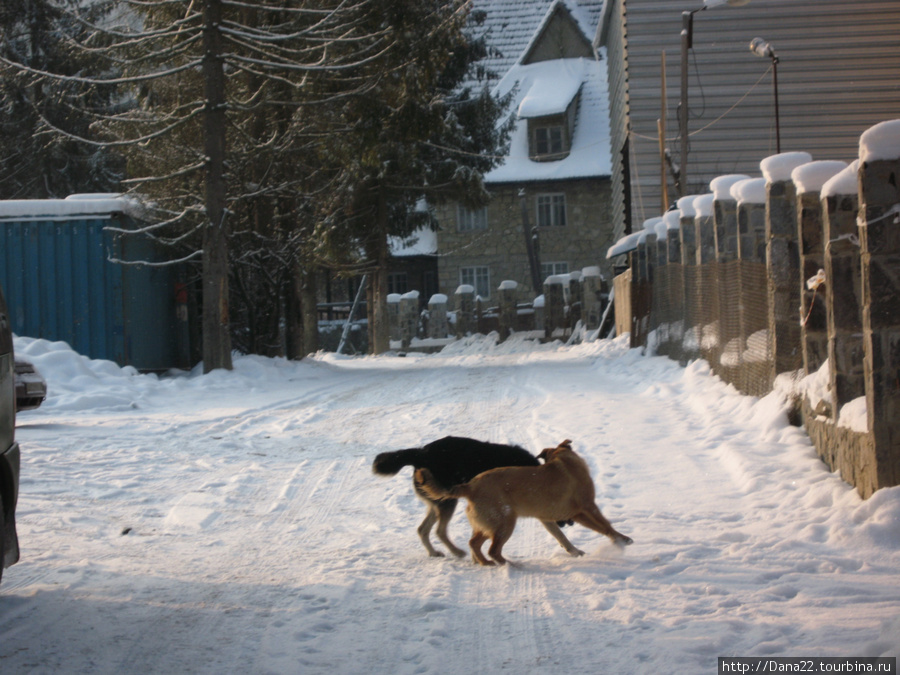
60	285
839	74
614	40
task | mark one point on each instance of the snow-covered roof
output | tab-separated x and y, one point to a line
626	244
544	88
512	26
421	242
85	205
548	87
589	155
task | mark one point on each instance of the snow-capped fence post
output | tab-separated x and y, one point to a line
661	306
708	312
576	297
810	216
554	305
640	293
783	262
393	309
690	343
675	295
592	294
729	278
843	288
508	297
409	318
751	197
465	310
539	308
438	326
879	229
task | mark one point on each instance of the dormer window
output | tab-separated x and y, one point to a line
548	140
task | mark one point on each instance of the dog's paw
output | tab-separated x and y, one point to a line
623	541
576	552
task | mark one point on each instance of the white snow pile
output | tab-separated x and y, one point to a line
880	142
777	168
845	182
813	176
721	185
749	191
230	522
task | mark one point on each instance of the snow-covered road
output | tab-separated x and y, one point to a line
230	523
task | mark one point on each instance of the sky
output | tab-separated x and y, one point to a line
231	523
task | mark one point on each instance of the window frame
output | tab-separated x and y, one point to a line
476	273
554	206
554	144
552	269
471	220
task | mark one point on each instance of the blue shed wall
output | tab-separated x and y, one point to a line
61	285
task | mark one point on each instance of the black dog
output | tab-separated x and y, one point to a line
454	460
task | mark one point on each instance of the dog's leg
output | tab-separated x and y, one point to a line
592	518
501	536
445	509
475	543
563	540
424	530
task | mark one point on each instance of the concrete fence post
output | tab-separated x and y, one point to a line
751	197
725	217
393	309
508	295
465	310
808	181
708	311
554	305
690	342
576	297
409	318
879	228
438	326
843	300
783	262
593	288
782	265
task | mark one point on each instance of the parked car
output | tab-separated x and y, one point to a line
31	387
9	449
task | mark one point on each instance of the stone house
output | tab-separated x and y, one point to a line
549	212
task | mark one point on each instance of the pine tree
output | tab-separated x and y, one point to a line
34	163
415	133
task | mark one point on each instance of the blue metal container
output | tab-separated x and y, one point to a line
69	276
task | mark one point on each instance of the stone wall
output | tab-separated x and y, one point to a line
582	242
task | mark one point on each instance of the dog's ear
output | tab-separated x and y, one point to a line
545	453
566	444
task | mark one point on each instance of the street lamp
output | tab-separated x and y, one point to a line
764	50
687	42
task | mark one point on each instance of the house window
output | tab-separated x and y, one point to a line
468	220
551	210
398	282
478	278
548	140
554	268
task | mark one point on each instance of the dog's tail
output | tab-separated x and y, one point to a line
390	463
426	482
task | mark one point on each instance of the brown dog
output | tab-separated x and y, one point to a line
559	490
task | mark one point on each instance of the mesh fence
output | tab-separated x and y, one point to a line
718	312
